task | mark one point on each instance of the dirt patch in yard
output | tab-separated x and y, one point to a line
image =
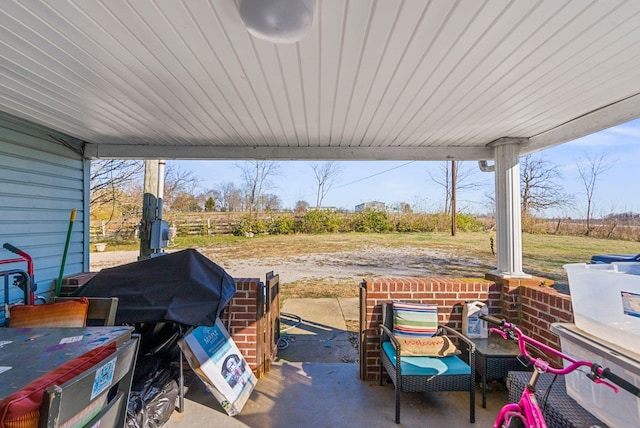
352	265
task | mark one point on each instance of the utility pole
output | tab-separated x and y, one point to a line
453	197
149	207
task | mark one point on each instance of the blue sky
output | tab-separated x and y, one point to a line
617	190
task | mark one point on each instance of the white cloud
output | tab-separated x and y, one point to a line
627	130
617	136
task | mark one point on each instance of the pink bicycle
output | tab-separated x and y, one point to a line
527	412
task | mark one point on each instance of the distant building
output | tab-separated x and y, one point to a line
400	208
372	205
330	209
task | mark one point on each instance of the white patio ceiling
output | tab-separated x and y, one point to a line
383	79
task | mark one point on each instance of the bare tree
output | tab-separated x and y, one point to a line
110	181
230	197
180	188
257	175
590	168
539	187
129	200
185	202
326	175
464	180
271	202
301	206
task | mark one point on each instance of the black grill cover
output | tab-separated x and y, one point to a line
184	287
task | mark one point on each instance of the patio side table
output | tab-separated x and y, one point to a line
495	358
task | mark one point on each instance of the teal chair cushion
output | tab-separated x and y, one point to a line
427	366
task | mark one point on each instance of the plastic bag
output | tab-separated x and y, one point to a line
153	393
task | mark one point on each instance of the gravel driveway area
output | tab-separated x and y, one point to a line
355	264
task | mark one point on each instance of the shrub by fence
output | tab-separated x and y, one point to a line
323	221
626	230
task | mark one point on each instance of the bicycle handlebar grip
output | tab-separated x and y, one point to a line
626	385
491	319
11	248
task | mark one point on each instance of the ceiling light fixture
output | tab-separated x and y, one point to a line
277	21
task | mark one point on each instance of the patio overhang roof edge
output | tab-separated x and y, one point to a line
218	152
589	123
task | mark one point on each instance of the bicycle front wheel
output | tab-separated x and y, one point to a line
510	420
515	423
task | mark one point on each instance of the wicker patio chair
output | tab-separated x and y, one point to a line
425	374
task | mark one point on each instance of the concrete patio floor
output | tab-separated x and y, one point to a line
314	384
327	395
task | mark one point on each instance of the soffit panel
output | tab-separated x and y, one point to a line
370	74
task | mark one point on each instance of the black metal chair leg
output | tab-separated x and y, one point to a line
181	385
472	402
397	404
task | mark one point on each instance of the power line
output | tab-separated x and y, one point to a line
359	179
372	175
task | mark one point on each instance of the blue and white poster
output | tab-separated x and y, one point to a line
215	358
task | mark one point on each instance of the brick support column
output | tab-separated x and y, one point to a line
541	307
240	318
533	305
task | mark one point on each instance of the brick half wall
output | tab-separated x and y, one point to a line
531	304
449	294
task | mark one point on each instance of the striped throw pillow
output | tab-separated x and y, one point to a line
415	319
415	325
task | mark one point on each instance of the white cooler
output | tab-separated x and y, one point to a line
616	410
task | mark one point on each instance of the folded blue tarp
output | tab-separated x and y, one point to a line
610	258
